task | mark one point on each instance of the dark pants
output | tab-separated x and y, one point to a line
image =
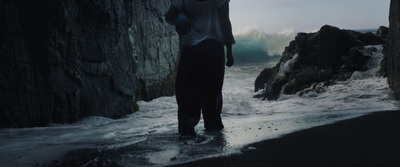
199	84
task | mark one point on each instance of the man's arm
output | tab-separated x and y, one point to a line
171	15
226	27
229	55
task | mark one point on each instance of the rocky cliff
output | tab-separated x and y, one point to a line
63	60
393	53
321	58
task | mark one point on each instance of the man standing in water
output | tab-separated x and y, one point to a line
201	65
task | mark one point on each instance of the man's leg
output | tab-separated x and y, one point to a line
188	89
213	81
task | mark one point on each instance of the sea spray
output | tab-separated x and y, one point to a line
373	65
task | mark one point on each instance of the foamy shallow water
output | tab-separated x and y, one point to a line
149	137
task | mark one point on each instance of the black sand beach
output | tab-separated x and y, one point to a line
370	140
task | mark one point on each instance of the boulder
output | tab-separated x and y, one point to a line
323	57
382	31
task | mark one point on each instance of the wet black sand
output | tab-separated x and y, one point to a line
370	140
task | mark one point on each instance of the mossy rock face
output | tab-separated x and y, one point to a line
158	88
315	88
166	87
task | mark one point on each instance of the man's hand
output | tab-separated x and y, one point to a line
230	61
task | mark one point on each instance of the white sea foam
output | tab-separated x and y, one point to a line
287	66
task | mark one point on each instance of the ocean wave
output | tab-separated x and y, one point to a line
254	45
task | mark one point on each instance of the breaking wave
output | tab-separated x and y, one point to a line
254	45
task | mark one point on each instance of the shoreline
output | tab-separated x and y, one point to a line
369	140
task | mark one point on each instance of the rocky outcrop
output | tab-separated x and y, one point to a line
64	60
393	51
323	57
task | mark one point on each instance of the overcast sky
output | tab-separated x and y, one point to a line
275	16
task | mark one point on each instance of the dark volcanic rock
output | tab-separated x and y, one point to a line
264	78
393	51
64	60
322	57
382	31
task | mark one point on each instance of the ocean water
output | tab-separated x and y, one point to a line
149	137
255	46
